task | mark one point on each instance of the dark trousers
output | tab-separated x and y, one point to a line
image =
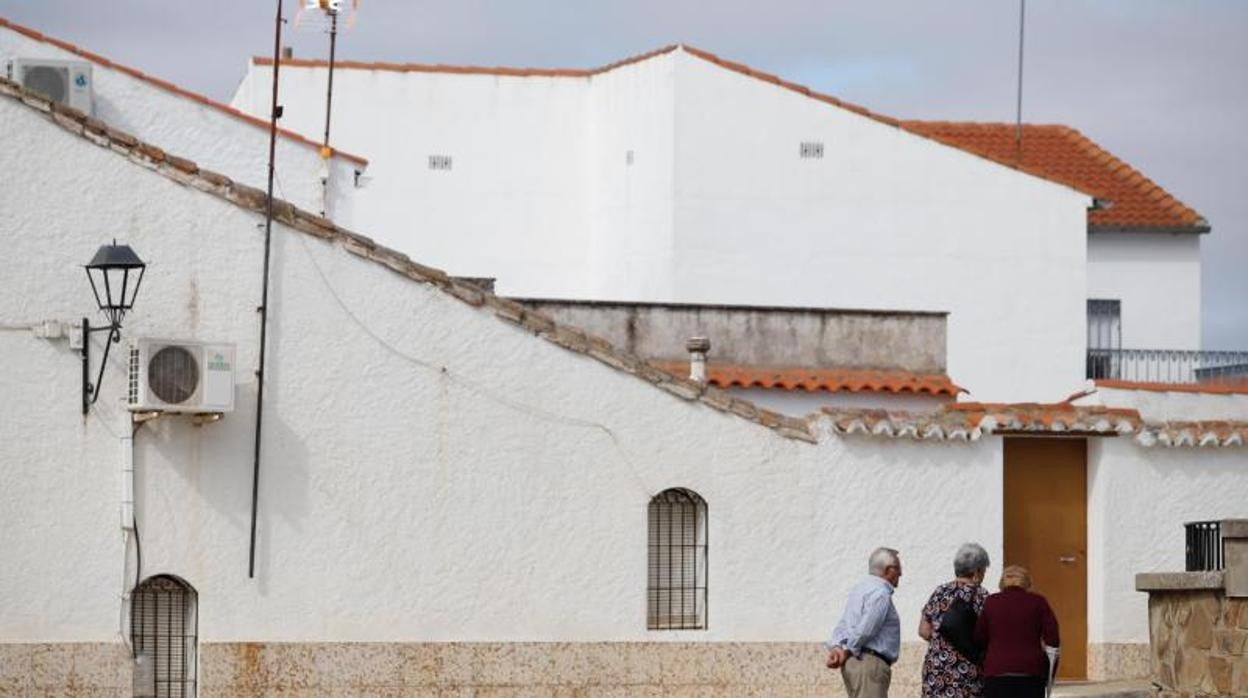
1014	687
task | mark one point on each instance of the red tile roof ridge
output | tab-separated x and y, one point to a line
187	173
510	71
169	86
826	378
1232	387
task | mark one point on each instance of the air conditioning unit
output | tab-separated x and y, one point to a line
174	375
64	82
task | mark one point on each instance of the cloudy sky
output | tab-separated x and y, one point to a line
1161	83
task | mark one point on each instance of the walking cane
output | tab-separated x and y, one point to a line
1052	653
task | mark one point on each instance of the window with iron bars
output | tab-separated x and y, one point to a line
676	587
1104	337
163	634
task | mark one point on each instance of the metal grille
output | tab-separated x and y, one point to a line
173	374
132	387
1104	333
163	633
50	81
440	162
1168	365
1204	546
676	588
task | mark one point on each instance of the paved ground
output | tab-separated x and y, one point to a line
1107	689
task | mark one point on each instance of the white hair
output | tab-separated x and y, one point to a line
881	559
970	559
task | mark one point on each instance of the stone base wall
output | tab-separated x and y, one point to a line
1199	642
532	669
452	669
95	669
1115	661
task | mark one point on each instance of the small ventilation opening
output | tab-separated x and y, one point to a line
164	636
811	149
439	162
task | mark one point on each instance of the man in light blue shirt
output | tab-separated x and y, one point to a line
867	640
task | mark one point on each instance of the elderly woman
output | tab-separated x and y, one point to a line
950	668
1014	627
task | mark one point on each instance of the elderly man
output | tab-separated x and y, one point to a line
867	640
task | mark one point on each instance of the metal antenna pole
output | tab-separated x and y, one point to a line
329	94
274	113
1018	114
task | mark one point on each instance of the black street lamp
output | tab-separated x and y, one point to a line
116	270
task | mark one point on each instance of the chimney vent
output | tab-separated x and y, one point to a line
698	348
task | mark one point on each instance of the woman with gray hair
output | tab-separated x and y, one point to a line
951	667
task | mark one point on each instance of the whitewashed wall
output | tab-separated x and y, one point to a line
1157	278
206	134
885	219
430	471
1138	500
515	202
1162	405
716	207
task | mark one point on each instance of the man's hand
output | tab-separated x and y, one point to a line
837	657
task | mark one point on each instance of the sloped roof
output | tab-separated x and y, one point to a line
969	421
574	339
1065	155
1052	152
170	87
831	379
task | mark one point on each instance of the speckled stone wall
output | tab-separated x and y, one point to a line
1112	661
95	669
1199	642
531	669
454	669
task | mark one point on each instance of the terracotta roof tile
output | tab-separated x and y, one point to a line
168	86
1064	155
831	379
1221	387
972	421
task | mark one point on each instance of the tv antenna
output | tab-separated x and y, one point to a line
325	14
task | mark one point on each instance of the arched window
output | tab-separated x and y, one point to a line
676	587
163	632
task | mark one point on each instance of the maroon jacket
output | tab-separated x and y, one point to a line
1011	627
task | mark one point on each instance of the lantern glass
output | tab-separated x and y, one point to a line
115	273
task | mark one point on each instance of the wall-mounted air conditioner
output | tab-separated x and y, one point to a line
175	375
64	82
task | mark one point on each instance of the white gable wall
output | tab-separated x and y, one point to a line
885	219
1157	278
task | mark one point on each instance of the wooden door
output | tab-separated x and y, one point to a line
1046	521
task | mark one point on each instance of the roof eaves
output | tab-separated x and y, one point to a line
569	337
1200	228
170	87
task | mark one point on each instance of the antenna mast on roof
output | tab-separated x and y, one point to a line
331	10
1018	114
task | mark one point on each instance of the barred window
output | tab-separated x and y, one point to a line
163	629
676	589
1104	338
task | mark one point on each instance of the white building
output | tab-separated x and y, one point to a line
677	176
456	492
215	135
